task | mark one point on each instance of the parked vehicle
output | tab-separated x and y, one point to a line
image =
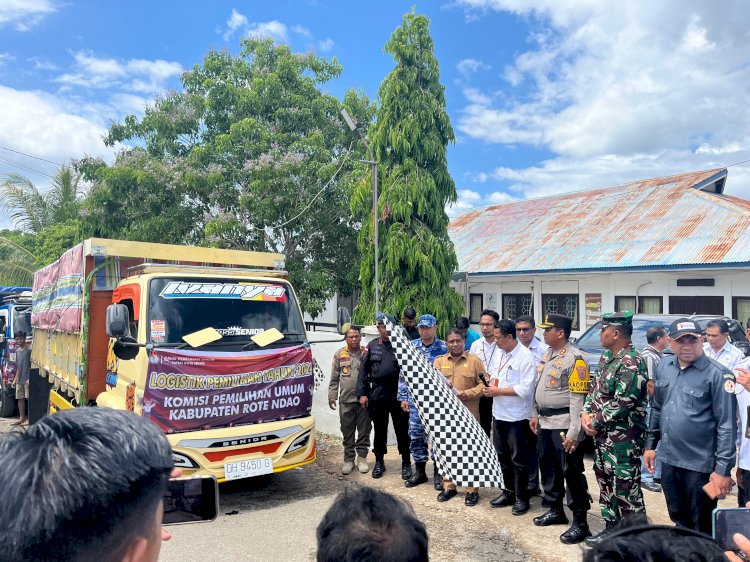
592	349
15	315
208	343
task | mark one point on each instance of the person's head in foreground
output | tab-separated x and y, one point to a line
635	539
371	525
84	484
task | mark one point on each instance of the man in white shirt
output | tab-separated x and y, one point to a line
717	346
512	378
526	332
486	350
742	391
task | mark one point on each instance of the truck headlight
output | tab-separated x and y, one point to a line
183	461
300	442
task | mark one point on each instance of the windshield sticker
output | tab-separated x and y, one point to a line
239	331
158	331
244	291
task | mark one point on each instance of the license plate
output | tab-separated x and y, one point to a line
248	469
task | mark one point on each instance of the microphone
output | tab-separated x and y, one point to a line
484	380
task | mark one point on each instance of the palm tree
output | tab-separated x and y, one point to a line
32	211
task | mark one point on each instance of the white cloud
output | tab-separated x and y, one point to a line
6	57
469	199
618	91
43	125
236	21
467	67
24	14
301	30
325	45
135	75
42	64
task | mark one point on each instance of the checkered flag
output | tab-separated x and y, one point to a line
463	451
319	376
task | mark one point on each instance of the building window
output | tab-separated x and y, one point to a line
561	304
516	305
476	305
646	305
741	309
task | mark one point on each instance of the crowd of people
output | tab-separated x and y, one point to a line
664	422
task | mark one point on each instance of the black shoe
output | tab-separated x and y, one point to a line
593	540
520	507
437	481
651	487
446	494
503	500
406	471
419	477
471	499
533	492
578	532
378	470
555	516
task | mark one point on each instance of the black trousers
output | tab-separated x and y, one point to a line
561	470
533	461
687	503
512	443
743	488
485	414
379	412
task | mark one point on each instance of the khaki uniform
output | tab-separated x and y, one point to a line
559	413
553	396
463	373
355	420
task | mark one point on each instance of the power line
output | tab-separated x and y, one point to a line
34	157
25	168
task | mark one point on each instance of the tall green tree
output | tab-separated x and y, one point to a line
251	155
47	223
410	139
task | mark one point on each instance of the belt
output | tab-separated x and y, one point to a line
548	412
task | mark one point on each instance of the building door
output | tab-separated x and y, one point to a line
696	305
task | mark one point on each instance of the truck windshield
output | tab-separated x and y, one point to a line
21	320
237	310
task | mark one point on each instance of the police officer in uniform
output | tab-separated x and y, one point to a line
562	385
615	416
355	420
376	390
694	417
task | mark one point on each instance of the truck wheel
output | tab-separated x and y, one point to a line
7	401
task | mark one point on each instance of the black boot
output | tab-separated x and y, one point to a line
437	479
555	516
601	537
379	469
579	530
405	467
419	476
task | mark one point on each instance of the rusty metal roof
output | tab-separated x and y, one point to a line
668	222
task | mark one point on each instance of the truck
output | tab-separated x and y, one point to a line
15	316
207	343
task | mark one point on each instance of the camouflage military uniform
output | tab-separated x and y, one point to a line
617	405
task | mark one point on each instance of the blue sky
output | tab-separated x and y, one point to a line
545	96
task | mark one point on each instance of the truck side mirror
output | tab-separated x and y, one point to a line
343	320
118	321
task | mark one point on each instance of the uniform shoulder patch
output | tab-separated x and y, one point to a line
579	379
729	386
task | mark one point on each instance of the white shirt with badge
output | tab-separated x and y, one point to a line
485	351
516	369
728	355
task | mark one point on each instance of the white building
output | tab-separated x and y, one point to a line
673	245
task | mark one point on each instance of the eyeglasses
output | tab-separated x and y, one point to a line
485	325
523	329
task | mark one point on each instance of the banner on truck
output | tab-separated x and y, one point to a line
57	293
191	390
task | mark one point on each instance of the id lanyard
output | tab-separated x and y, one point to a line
500	369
